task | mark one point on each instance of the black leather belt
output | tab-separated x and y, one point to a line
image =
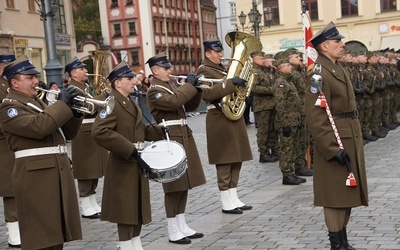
352	114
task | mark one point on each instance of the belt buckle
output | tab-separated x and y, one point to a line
355	113
62	149
183	122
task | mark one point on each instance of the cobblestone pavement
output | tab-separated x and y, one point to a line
283	217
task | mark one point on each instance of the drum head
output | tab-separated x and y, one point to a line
163	154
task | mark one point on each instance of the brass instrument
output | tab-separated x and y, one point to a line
100	69
208	83
82	103
242	44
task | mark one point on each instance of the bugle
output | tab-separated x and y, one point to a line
208	83
82	103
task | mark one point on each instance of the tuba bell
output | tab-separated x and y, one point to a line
100	69
241	65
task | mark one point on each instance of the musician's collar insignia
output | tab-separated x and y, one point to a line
313	89
12	112
158	96
103	114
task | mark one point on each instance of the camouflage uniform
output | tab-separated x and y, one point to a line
302	136
376	101
396	97
386	94
263	108
287	105
367	77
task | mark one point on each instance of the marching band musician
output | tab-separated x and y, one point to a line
126	194
6	167
227	141
42	176
88	158
169	102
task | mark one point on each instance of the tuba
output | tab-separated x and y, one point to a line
100	69
242	44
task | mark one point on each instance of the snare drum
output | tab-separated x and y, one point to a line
167	160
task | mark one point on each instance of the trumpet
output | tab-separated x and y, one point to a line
208	83
82	104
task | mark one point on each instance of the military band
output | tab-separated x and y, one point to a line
361	87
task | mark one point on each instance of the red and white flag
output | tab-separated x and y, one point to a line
310	54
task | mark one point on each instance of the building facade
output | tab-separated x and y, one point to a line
22	31
366	24
137	30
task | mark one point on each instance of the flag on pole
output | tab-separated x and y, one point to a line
310	54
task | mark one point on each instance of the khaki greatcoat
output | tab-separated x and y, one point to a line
167	106
329	176
126	194
7	156
44	186
227	141
88	158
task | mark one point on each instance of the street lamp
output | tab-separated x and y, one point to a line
255	18
53	67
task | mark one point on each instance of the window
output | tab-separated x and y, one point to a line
60	25
194	5
312	7
135	58
31	6
166	3
388	5
349	8
132	28
232	8
10	4
117	30
155	27
274	5
129	2
114	3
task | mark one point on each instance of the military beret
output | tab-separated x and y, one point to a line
281	60
329	32
257	53
269	56
278	55
361	53
159	60
290	51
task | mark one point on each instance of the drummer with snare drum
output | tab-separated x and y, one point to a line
126	194
170	102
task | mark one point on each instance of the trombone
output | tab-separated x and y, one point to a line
86	104
208	83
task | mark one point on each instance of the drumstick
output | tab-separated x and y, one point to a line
167	135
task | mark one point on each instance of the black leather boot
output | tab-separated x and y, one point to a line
336	239
345	242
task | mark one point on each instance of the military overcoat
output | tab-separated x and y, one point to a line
7	156
227	141
44	186
126	194
329	176
172	106
88	158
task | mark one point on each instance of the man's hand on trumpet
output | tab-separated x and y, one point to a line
193	79
67	95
